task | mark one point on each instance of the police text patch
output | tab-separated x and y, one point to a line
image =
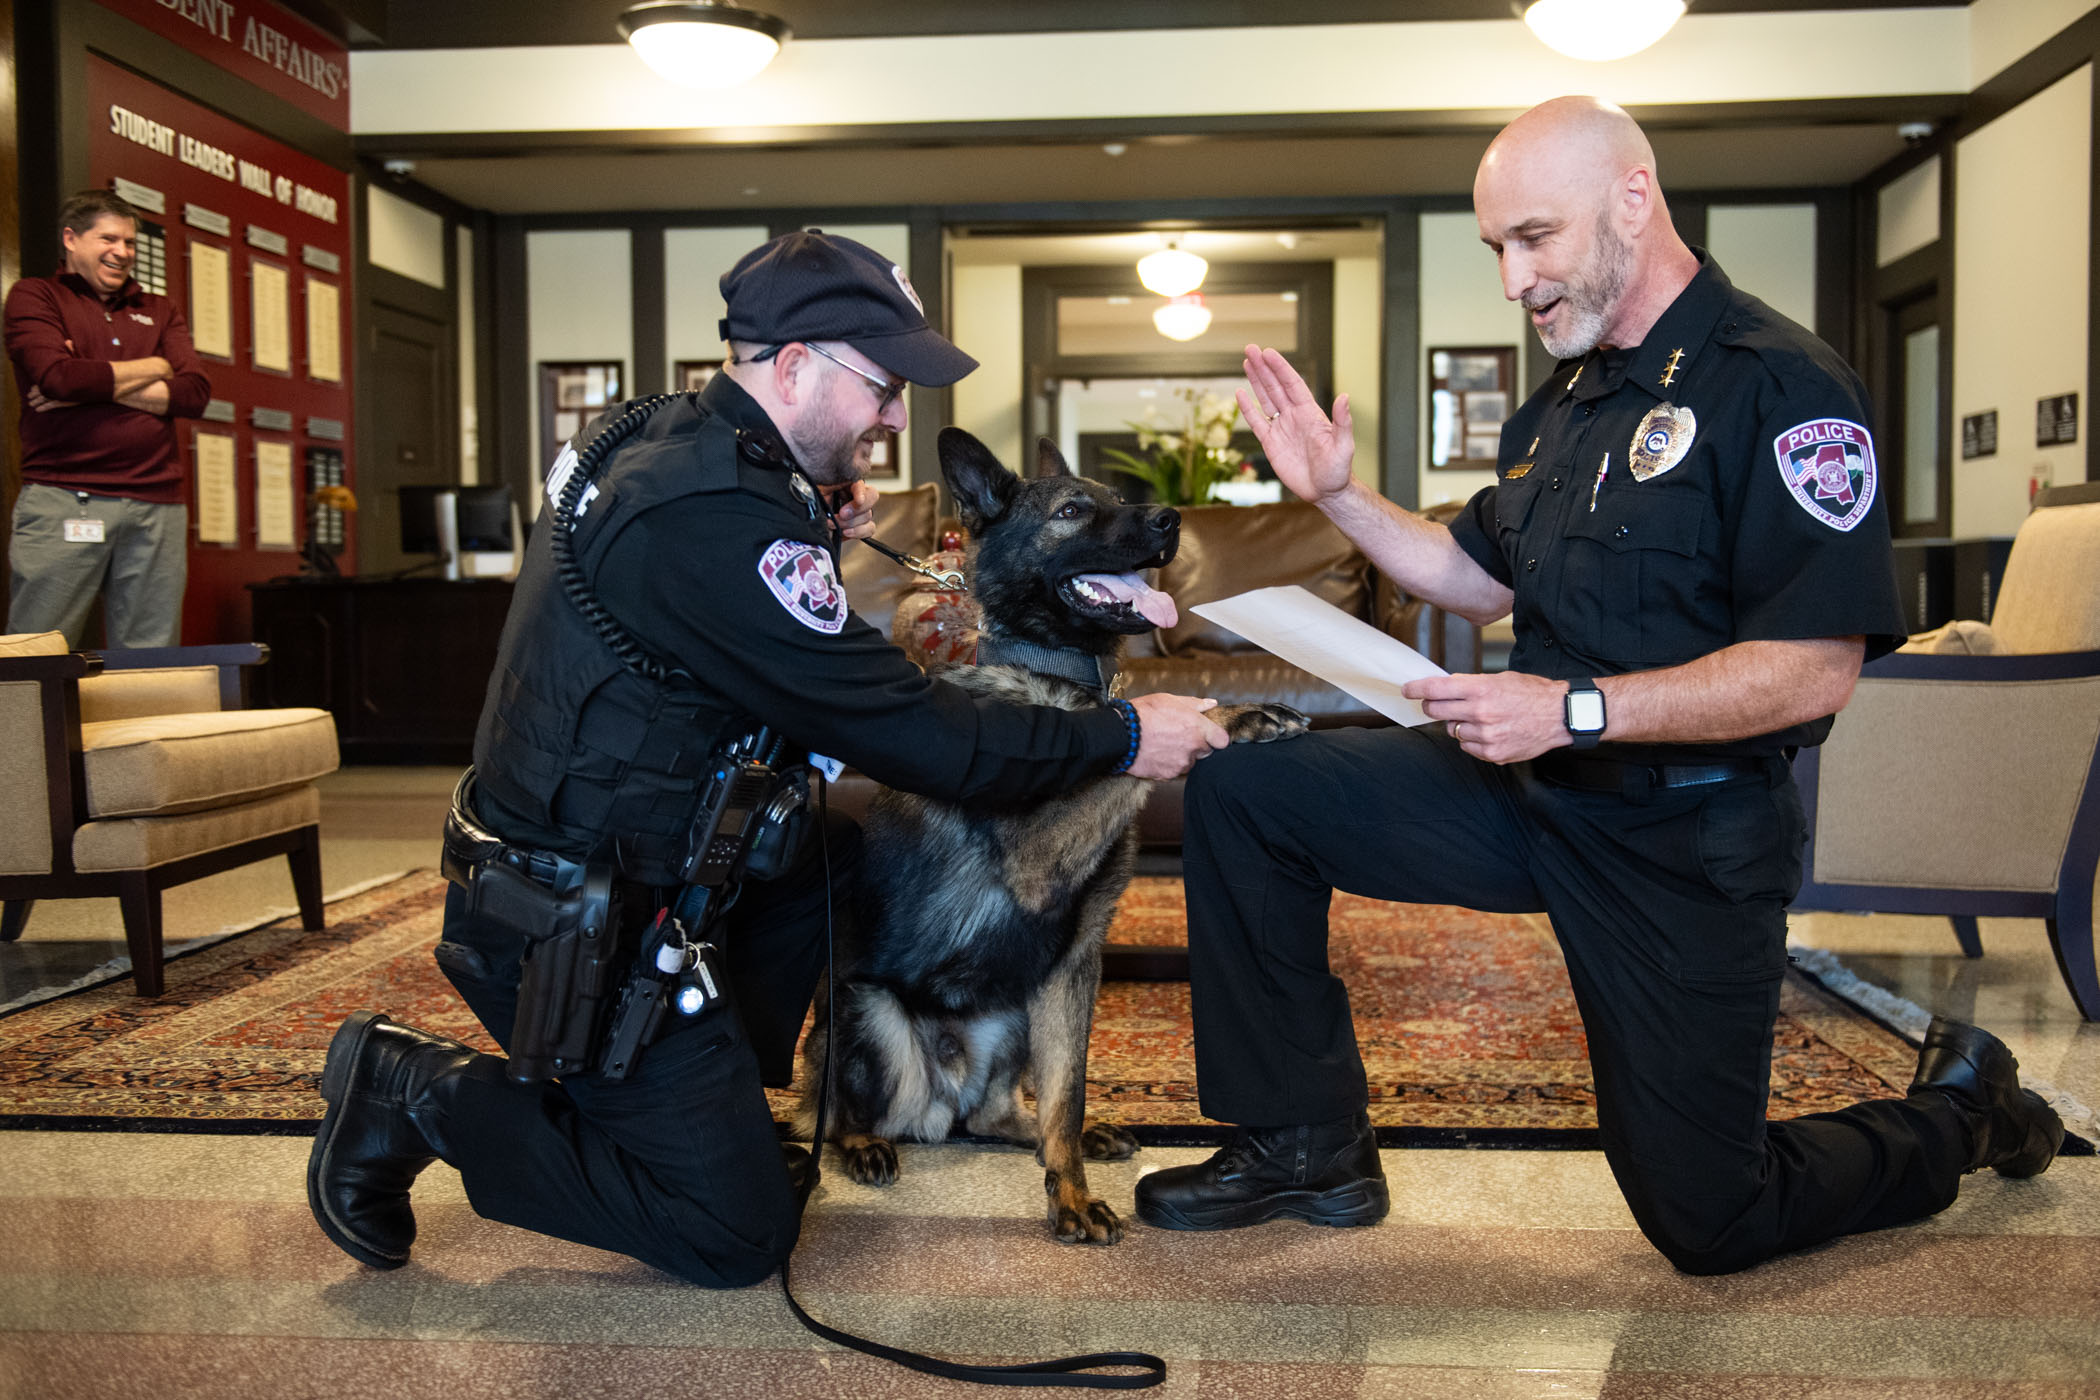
799	574
1828	464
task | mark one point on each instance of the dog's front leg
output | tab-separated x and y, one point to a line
1061	1016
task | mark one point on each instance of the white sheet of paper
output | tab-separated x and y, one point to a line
274	524
218	501
211	300
270	314
1316	636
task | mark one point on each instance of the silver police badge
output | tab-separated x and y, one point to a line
1661	441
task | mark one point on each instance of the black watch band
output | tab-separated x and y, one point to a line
1582	711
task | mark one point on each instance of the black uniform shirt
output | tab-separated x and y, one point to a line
740	586
1756	515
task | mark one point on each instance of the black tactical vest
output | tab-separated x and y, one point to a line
576	753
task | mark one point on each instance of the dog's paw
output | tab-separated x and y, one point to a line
871	1162
1261	724
1105	1142
1092	1223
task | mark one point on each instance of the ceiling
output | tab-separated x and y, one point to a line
1786	146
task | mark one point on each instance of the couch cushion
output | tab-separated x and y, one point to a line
170	690
904	520
1227	550
33	644
139	843
2050	600
166	764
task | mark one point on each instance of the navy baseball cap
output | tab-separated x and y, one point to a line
811	285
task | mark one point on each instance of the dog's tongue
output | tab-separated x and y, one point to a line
1152	605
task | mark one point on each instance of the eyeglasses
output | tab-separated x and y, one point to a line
889	388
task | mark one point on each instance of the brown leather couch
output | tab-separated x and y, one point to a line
1224	550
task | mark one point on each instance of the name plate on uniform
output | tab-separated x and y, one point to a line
320	258
274	420
219	411
211	221
328	429
267	241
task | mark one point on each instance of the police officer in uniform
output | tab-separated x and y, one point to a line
1687	531
703	597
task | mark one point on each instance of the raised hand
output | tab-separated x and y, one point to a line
1309	452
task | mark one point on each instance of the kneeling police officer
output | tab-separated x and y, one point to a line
632	916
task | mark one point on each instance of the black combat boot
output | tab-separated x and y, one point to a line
1327	1173
2014	1130
379	1133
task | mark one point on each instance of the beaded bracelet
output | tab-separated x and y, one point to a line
1130	722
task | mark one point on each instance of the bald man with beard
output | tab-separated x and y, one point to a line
1687	534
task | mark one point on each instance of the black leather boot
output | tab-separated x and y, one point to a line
2014	1130
1326	1173
371	1145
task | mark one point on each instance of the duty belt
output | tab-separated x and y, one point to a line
468	844
1588	773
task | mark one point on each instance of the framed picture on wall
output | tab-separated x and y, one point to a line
691	376
1470	388
883	463
572	393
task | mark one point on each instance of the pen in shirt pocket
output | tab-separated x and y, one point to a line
1602	467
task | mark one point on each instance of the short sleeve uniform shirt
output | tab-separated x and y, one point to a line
1715	484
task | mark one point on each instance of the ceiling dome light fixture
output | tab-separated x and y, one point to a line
1171	271
702	43
1599	31
1183	317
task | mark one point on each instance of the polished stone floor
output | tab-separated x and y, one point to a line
151	1265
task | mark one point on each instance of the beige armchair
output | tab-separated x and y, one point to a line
130	772
1964	777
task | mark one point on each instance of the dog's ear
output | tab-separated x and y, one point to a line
983	487
1048	460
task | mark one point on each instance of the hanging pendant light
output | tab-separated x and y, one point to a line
1182	318
1172	271
702	43
1602	30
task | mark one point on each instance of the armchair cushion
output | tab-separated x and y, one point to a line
169	764
165	690
2048	601
139	843
33	644
1226	550
1962	637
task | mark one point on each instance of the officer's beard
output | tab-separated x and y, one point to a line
1589	298
825	447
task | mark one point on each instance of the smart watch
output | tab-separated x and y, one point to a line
1583	712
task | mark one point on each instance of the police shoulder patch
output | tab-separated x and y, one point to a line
800	577
1828	466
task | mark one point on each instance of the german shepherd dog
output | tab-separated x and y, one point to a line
971	975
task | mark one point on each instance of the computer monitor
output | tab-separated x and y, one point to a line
421	532
484	519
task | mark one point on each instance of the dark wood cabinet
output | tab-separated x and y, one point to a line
402	664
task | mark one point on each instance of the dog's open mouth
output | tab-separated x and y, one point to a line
1124	602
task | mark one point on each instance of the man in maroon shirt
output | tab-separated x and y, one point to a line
104	368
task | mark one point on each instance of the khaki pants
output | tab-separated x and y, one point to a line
142	559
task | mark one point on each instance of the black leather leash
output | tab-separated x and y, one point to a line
950	579
1149	1370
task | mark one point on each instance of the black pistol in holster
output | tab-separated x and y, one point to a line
575	948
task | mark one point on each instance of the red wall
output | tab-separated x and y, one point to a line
216	606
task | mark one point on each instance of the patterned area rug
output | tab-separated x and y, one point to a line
1467	1025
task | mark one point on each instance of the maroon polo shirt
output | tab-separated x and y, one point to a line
101	446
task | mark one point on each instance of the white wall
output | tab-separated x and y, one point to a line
1768	250
1908	213
694	261
987	321
1462	304
403	237
1359	322
580	299
2001	31
2022	234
